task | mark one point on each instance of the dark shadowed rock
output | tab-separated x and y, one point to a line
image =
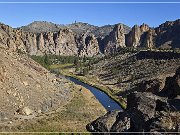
165	122
168	34
142	106
153	86
104	123
172	87
122	123
147	112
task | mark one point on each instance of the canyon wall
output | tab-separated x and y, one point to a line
66	41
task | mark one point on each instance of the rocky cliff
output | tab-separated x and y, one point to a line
136	35
115	40
168	34
39	38
164	36
63	42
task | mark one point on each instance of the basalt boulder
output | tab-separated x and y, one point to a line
146	112
172	86
104	123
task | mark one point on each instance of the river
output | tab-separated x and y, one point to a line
108	103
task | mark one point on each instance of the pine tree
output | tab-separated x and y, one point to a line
47	60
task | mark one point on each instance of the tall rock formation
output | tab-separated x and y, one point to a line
88	45
58	43
136	35
115	40
82	39
149	41
64	42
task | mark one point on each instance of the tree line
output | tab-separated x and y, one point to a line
81	64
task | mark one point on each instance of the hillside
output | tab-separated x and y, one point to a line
24	83
119	74
123	71
30	94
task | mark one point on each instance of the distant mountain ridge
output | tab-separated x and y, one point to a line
77	27
41	27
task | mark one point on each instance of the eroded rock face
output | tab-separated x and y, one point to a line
168	34
133	38
146	112
149	41
136	35
115	40
82	39
88	45
64	42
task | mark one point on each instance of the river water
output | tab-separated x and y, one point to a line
108	103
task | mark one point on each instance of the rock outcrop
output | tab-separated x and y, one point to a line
154	86
88	45
104	123
145	112
149	41
60	43
168	34
64	42
172	86
41	38
164	36
136	35
115	40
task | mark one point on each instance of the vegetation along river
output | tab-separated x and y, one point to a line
108	103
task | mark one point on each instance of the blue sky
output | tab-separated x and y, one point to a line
17	15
